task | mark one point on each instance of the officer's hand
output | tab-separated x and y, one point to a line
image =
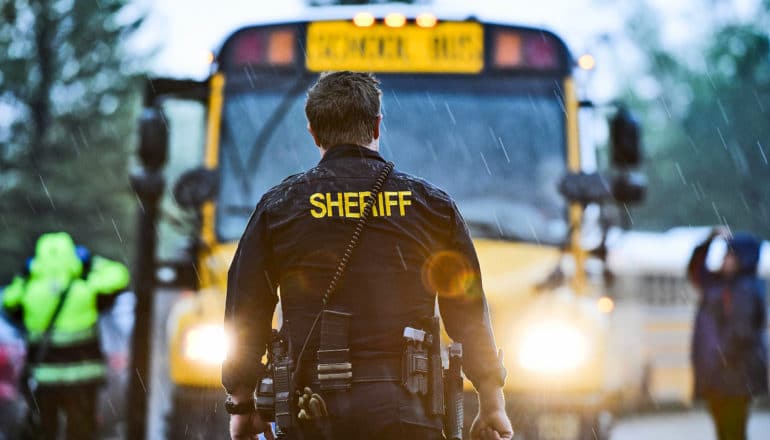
249	426
493	425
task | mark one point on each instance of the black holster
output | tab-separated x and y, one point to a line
423	374
453	392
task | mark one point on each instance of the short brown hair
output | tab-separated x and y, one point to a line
342	108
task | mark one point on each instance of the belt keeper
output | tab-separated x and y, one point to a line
335	371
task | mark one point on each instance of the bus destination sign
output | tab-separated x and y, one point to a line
448	47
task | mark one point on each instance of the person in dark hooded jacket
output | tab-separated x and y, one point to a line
729	346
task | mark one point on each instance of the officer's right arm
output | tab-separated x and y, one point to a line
466	319
251	300
464	308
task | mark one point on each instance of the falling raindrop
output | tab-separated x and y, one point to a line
762	152
628	213
724	143
664	102
722	110
398	101
430	100
449	111
716	210
47	194
403	263
681	175
484	159
745	202
115	225
505	152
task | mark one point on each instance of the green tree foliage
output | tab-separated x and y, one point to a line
68	102
707	131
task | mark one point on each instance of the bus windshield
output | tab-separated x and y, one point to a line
496	145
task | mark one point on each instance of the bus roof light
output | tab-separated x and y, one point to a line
426	20
541	53
394	19
508	49
363	19
280	48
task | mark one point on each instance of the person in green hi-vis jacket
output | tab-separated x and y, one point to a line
65	364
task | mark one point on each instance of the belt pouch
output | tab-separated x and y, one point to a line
335	371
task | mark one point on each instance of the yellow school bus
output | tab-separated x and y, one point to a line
486	110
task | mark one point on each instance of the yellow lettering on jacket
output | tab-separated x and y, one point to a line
331	204
317	200
352	204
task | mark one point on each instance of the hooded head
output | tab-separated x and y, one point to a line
745	247
55	254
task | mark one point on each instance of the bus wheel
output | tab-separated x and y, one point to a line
197	413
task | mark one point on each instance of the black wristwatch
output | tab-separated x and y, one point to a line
247	407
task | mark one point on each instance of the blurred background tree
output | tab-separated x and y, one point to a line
69	94
706	119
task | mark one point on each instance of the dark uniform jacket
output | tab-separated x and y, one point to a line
414	246
729	345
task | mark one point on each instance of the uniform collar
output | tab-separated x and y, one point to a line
350	150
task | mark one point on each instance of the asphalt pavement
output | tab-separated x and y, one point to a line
690	425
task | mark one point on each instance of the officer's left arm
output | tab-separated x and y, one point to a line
107	278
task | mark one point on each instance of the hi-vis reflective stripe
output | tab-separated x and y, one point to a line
351	204
69	373
60	338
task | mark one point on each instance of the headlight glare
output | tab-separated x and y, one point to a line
553	347
206	343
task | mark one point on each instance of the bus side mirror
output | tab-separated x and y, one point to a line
196	187
624	136
153	139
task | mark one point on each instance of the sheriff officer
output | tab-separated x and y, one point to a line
415	246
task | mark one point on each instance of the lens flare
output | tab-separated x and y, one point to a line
449	274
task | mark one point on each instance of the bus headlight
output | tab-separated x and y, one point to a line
553	347
206	343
